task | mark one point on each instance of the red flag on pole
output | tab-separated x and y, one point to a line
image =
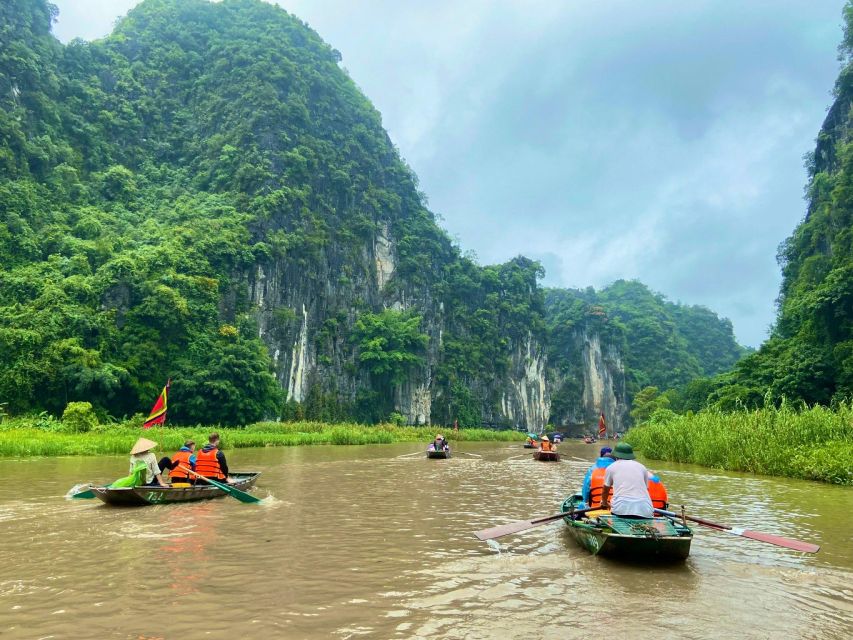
158	411
602	427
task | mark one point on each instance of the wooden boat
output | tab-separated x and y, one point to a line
141	496
546	456
441	454
588	440
645	539
529	445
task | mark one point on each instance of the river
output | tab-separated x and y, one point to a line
371	542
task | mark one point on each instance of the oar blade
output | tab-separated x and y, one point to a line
520	525
504	529
779	541
242	496
80	492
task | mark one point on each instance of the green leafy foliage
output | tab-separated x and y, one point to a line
665	345
150	179
813	443
390	344
79	417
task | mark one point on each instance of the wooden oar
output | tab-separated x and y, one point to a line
524	525
779	541
242	496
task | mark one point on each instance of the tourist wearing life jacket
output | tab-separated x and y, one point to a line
185	457
657	492
210	461
440	444
593	481
628	480
546	445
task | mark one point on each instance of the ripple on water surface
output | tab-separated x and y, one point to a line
372	542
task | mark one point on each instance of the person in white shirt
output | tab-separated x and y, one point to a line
628	479
141	452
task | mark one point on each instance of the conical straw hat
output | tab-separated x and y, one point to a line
142	445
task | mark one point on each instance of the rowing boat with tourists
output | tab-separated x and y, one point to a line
635	524
188	475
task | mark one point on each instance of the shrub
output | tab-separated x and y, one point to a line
79	417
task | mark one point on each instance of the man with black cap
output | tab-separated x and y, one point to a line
628	478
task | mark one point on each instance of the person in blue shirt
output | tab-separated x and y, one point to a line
605	460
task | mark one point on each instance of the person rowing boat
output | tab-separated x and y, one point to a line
628	480
142	453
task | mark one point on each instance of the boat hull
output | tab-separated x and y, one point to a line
546	456
529	446
142	496
654	540
438	455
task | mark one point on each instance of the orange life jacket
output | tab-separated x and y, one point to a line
207	465
547	446
657	492
181	458
596	486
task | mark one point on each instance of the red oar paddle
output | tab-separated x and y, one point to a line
779	541
524	525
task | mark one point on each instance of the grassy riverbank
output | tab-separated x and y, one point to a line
815	444
22	437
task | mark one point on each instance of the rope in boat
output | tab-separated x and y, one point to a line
645	529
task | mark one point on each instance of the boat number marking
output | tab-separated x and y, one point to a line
154	496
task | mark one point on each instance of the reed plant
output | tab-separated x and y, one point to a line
39	436
814	443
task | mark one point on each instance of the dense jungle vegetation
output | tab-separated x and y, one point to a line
146	178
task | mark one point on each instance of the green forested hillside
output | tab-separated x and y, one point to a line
147	175
206	195
664	344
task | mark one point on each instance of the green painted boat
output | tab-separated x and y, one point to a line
638	539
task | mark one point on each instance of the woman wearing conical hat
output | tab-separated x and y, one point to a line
142	452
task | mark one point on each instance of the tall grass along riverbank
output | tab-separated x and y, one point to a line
22	437
814	443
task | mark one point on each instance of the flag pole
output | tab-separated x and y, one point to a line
163	423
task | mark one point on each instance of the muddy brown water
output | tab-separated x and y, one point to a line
369	542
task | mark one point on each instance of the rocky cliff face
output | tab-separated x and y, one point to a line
603	383
588	378
304	321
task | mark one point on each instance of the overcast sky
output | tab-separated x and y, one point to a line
660	140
